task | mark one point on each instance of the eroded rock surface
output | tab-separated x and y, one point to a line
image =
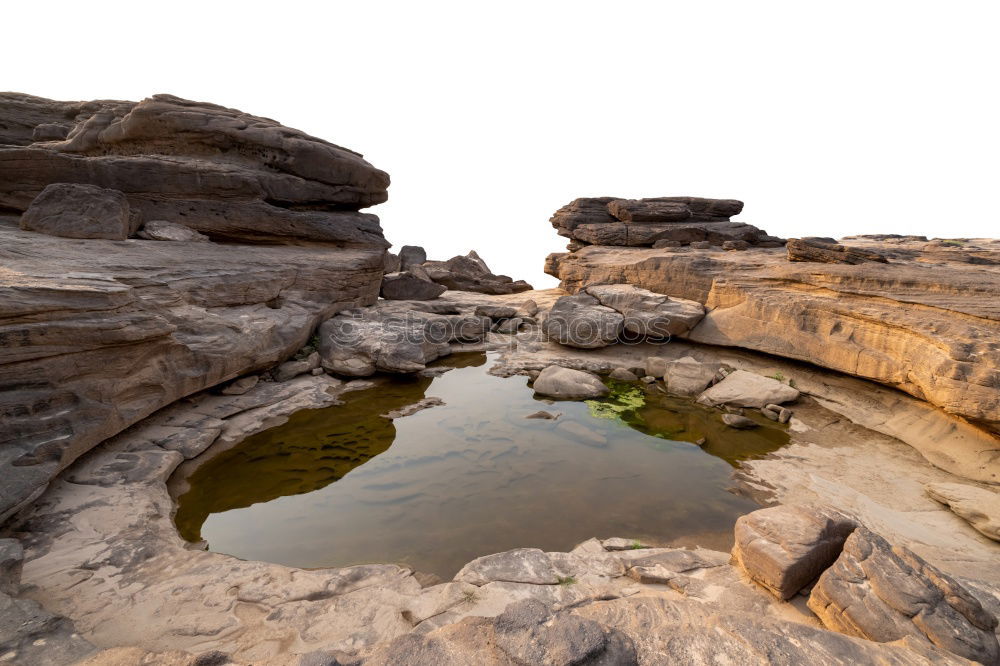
219	171
926	323
978	506
886	593
97	332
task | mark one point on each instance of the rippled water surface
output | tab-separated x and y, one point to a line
344	485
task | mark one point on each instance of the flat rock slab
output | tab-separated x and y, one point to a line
886	593
784	548
521	565
748	389
978	506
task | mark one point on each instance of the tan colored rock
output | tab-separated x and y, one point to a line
978	506
687	376
924	324
748	389
785	547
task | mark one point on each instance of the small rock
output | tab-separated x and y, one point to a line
769	413
241	385
738	422
411	255
648	379
496	312
623	375
542	415
656	366
316	372
619	543
529	308
292	369
567	384
508	326
161	230
701	441
688	376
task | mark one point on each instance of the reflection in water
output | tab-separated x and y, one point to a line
448	484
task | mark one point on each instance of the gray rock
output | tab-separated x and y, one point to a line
241	385
406	286
581	321
886	593
623	375
785	547
470	273
620	543
411	255
528	633
568	384
978	506
80	211
521	565
687	376
735	245
508	326
648	314
291	369
359	342
542	415
738	422
529	308
161	230
32	636
11	559
391	263
496	312
747	389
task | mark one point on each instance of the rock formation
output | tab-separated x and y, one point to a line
219	171
99	333
645	222
926	322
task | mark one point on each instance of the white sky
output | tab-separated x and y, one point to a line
827	118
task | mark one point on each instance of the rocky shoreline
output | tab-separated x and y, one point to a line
130	359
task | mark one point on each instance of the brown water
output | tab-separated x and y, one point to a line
344	485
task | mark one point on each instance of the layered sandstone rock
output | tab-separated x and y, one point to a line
98	331
645	222
927	322
220	171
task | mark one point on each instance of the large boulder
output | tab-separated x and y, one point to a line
568	384
647	314
581	321
80	211
222	172
886	593
521	565
411	255
979	506
747	389
785	547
